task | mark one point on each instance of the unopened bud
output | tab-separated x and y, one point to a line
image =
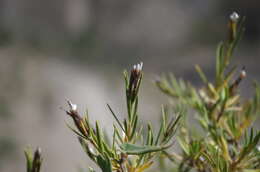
38	152
77	118
234	17
134	81
37	160
243	73
235	84
73	107
138	67
233	24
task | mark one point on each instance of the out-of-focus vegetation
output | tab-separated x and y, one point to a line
227	140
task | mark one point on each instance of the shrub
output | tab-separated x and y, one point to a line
226	141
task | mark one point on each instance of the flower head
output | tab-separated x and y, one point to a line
37	160
73	107
235	84
138	66
243	73
134	81
234	17
73	113
38	152
136	70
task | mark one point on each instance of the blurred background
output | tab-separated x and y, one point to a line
56	49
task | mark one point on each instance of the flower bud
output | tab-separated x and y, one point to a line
37	160
73	107
235	84
134	81
234	17
243	73
233	22
78	121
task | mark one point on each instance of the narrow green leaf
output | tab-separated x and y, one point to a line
184	146
114	139
134	127
219	61
159	134
134	111
29	159
201	74
133	149
149	140
114	115
104	163
163	119
126	79
99	138
118	134
75	131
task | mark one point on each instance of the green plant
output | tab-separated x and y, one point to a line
227	141
34	160
128	137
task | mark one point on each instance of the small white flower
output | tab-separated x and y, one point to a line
234	17
39	150
243	73
202	158
138	66
73	107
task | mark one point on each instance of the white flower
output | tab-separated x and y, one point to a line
138	66
202	158
39	150
234	17
243	73
73	107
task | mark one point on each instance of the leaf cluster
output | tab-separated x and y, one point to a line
226	142
132	148
34	160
